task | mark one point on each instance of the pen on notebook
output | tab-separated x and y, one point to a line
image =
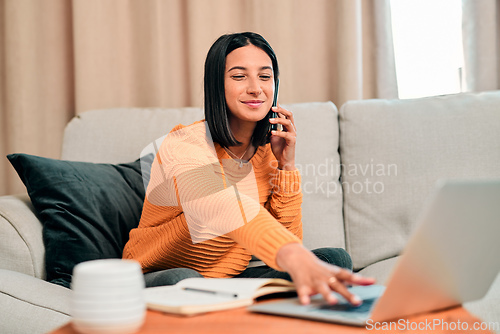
218	293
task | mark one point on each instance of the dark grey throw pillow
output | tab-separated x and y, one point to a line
87	209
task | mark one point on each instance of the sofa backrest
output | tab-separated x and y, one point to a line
119	135
392	154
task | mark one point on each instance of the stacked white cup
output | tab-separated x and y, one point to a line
108	297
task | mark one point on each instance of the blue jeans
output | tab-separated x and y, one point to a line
336	256
169	276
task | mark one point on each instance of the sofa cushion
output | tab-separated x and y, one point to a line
118	135
87	209
317	158
392	154
381	270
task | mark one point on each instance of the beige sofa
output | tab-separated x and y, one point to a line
366	169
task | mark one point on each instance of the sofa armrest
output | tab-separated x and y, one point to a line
31	305
21	242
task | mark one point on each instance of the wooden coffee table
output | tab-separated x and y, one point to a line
242	321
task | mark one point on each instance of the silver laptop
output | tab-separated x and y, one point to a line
451	258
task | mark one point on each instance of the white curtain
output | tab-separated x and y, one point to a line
481	37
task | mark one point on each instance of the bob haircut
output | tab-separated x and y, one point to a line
216	109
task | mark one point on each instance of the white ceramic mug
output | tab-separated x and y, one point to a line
108	297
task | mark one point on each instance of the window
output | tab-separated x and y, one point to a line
428	46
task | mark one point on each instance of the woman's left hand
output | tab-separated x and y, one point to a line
283	142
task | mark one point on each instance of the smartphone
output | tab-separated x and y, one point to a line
275	103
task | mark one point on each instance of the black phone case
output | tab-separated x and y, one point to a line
274	114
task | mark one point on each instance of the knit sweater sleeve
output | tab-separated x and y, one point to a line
285	201
215	200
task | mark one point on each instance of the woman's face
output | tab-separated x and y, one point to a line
248	84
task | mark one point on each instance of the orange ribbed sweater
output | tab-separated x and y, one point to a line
163	239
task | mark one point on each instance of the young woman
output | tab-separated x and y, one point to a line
225	192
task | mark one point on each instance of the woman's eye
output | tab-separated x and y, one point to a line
265	77
238	77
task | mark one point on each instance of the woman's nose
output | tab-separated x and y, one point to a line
254	87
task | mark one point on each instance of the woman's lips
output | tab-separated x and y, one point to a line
253	103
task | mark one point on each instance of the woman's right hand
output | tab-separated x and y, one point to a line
311	275
283	142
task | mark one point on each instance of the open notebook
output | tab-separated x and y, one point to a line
199	295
